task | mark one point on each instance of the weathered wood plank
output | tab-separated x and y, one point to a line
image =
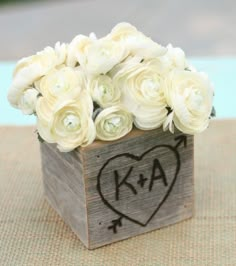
122	188
64	188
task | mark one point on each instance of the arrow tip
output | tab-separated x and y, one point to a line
181	139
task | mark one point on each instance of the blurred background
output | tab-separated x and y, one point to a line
204	29
201	28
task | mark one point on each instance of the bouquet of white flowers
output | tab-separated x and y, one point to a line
98	88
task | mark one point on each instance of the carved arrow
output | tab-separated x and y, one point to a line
181	139
115	223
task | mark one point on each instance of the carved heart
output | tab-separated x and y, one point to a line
135	187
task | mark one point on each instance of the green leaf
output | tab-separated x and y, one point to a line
187	69
213	112
169	110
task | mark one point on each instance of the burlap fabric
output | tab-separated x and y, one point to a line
31	233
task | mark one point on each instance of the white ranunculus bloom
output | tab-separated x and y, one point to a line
68	123
136	42
102	55
142	91
113	123
61	50
189	95
96	56
77	49
103	92
175	58
150	118
27	101
30	69
64	82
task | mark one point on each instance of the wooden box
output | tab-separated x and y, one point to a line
110	191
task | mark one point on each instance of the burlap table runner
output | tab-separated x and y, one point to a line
31	233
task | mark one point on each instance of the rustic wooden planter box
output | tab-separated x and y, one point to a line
110	191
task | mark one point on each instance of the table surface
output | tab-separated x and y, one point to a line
31	233
221	71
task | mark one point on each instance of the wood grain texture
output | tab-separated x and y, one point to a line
111	191
64	187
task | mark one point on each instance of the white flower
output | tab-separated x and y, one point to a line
27	101
95	56
69	123
142	91
102	55
175	58
113	123
136	42
31	68
103	92
60	50
64	82
189	95
77	50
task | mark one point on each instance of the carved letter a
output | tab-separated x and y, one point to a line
162	175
